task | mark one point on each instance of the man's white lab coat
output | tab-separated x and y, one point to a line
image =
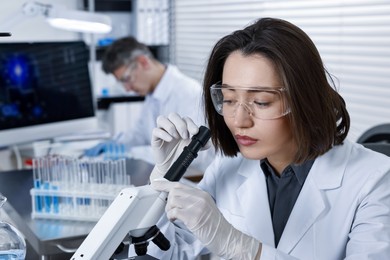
175	93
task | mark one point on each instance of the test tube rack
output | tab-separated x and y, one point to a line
72	189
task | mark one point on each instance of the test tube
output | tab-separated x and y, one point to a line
73	186
37	184
54	183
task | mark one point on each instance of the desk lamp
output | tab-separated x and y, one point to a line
60	17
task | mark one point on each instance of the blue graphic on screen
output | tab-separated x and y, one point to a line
19	77
17	69
43	83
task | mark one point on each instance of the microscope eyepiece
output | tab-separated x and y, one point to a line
190	152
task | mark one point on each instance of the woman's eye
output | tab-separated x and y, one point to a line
228	102
262	104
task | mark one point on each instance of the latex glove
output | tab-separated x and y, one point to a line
110	147
198	211
169	138
97	149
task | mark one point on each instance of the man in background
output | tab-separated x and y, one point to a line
166	90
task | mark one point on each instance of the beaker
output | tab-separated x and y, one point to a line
12	244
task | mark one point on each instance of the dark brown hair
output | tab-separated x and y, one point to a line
318	118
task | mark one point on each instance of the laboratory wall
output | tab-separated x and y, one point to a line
34	28
28	29
353	38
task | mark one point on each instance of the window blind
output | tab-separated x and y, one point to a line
353	37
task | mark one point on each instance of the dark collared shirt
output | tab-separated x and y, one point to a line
283	192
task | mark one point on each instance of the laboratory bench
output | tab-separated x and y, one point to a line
103	103
49	238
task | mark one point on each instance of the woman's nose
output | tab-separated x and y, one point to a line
243	116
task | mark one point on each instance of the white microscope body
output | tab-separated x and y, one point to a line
135	211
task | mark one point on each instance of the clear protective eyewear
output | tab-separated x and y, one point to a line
260	102
127	76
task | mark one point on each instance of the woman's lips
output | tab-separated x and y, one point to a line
245	140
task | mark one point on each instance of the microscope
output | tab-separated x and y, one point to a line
135	212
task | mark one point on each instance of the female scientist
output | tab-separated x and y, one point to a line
288	184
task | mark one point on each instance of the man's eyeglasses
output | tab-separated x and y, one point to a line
259	102
127	76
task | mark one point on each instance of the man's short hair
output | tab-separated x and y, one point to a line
123	52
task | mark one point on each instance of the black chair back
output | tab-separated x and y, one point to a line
379	147
379	133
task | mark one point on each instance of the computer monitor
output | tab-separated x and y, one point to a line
45	91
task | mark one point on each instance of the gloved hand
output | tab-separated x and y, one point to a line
103	147
96	150
197	210
169	138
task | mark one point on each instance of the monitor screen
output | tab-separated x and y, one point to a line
45	90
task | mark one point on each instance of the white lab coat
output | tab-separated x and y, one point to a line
342	212
175	93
